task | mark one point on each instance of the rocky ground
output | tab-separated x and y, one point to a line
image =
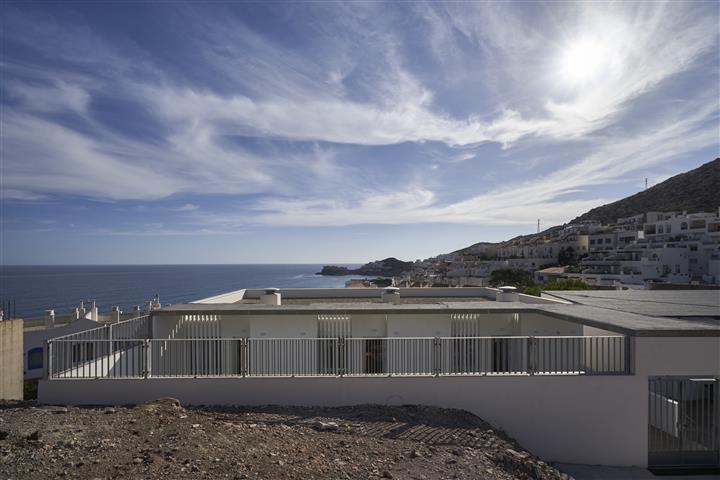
161	439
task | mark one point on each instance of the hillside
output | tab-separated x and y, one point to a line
694	191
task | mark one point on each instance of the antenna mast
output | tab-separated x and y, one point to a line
538	226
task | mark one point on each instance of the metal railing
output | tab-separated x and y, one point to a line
113	350
285	357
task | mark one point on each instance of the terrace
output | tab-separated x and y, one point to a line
310	335
578	366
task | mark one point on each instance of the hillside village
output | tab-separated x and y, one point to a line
668	234
655	247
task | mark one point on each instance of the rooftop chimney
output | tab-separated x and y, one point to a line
390	295
507	294
271	297
49	318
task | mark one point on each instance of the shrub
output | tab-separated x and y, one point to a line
567	284
509	276
536	291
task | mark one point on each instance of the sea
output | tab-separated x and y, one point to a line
33	289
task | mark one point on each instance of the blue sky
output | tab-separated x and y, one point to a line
223	132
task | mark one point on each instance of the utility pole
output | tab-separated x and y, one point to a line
645	183
538	226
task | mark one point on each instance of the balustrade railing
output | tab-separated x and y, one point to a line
86	356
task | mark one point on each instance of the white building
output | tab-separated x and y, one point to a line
578	378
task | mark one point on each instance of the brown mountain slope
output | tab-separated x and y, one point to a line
694	191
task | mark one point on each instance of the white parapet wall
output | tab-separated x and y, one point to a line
486	293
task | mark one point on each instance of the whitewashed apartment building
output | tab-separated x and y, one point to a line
579	379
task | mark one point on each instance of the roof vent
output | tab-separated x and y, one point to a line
271	297
507	294
390	295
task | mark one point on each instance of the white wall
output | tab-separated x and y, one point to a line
36	338
368	326
418	325
538	324
284	326
571	419
656	356
234	326
567	419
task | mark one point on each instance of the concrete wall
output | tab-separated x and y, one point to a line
568	419
234	326
538	324
565	418
657	356
284	326
419	325
11	360
369	326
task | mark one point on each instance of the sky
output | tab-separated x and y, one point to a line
319	132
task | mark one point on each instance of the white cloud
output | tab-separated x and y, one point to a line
362	89
516	202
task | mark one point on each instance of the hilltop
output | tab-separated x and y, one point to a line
695	191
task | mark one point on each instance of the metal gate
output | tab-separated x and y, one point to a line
683	423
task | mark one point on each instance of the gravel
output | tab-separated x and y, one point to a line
161	439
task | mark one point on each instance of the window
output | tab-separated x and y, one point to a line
683	226
608	240
660	229
35	358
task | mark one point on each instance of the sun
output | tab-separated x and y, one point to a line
584	60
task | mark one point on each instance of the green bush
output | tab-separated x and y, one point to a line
30	389
568	284
509	276
532	291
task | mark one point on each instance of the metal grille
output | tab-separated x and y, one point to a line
683	419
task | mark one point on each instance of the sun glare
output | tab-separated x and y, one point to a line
584	60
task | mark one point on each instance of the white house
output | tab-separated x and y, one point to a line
580	377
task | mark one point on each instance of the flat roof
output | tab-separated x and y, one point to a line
345	300
626	323
655	303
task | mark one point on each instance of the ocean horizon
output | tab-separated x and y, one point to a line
35	288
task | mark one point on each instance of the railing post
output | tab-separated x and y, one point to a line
147	356
244	358
629	351
436	355
340	354
47	359
531	350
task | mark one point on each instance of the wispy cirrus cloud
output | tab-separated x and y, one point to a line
306	121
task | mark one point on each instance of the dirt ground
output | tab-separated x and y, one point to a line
161	439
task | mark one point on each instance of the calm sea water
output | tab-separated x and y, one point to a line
37	288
